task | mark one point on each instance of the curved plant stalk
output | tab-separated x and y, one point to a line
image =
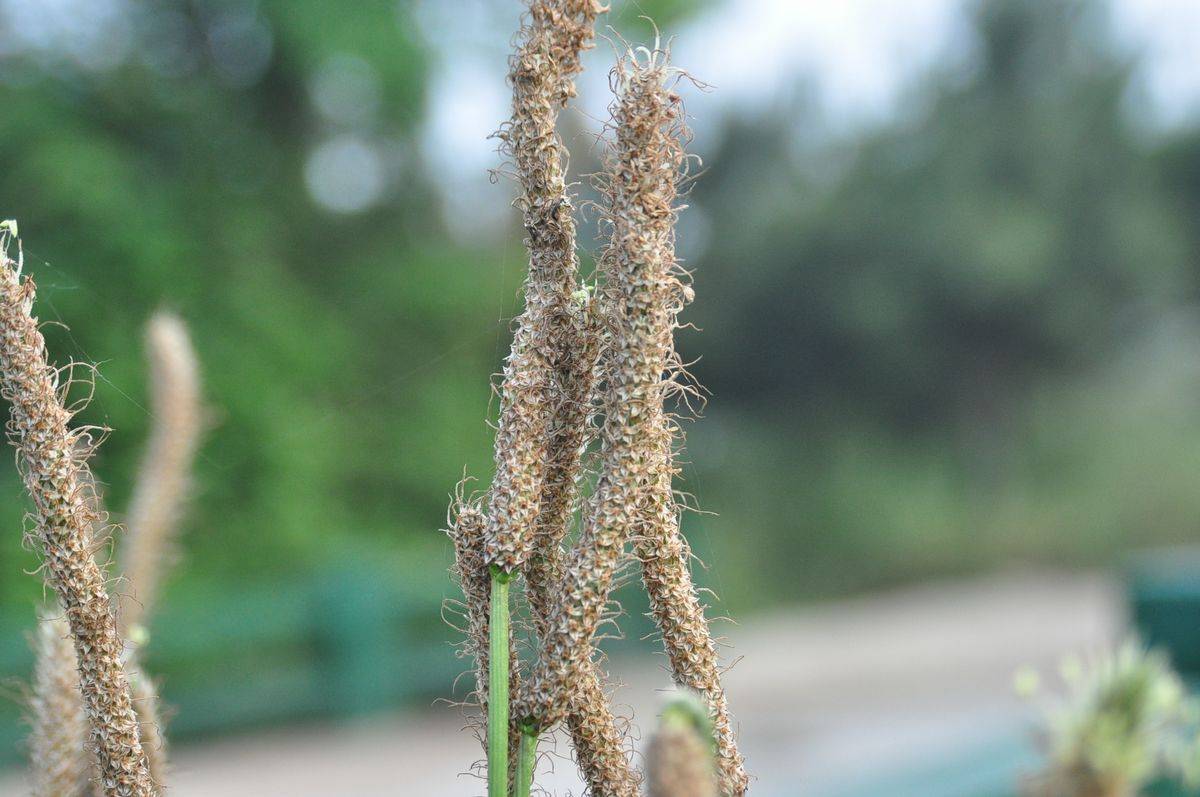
541	73
59	763
642	179
641	297
498	675
50	460
679	615
601	751
163	481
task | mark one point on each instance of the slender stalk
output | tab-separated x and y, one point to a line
497	730
526	760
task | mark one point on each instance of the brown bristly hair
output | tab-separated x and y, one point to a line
597	739
601	749
639	297
641	186
51	459
541	74
150	722
546	392
58	737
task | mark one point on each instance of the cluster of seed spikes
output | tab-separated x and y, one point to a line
583	360
93	712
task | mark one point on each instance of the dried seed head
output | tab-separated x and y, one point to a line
165	474
542	76
599	741
640	298
644	169
679	615
49	459
596	737
570	430
59	763
558	342
679	760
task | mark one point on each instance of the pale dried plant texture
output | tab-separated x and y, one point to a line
641	296
164	479
679	758
596	736
599	741
569	432
641	184
60	765
150	722
541	73
50	461
546	392
680	617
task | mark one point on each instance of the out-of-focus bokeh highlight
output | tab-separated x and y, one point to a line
947	268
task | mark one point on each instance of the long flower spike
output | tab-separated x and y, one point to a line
640	298
642	183
49	458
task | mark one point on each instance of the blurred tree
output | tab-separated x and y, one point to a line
997	233
884	314
256	165
253	165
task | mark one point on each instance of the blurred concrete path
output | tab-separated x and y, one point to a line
824	695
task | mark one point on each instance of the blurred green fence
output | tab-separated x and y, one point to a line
356	641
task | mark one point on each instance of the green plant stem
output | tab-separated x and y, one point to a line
497	730
526	759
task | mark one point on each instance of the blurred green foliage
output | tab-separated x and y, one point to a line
959	337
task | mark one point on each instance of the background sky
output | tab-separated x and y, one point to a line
853	60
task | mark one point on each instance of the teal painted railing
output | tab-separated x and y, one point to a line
355	642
